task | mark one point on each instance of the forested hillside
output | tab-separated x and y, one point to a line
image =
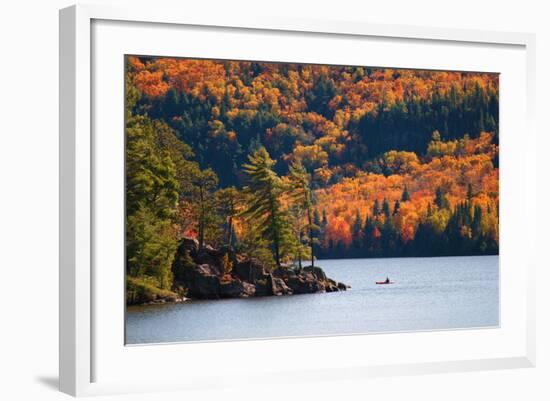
295	162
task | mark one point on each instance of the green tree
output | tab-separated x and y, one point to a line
357	231
131	96
389	238
186	169
229	201
441	200
375	209
386	208
476	221
151	198
150	172
265	189
205	184
396	207
320	95
298	247
150	247
322	222
302	195
253	243
369	237
405	196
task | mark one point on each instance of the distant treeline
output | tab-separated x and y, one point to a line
378	236
298	111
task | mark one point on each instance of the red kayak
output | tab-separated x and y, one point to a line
384	282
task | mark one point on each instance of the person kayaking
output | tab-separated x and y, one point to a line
386	281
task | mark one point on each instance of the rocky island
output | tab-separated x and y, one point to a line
211	273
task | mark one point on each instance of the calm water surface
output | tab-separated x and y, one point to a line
429	293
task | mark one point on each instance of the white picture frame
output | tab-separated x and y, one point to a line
81	343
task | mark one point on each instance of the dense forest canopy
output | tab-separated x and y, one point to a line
292	162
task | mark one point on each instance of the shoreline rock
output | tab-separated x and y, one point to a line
200	275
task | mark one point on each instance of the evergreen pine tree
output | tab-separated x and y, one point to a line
368	236
405	197
228	200
386	208
205	201
302	195
441	200
396	207
375	209
265	189
357	231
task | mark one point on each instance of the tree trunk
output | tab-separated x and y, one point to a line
275	229
277	255
201	235
201	219
230	233
310	222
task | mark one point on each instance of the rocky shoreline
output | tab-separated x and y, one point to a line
212	273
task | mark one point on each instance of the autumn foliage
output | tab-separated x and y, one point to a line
465	165
397	162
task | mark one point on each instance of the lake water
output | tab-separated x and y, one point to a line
428	294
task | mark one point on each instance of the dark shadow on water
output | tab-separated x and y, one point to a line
52	382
